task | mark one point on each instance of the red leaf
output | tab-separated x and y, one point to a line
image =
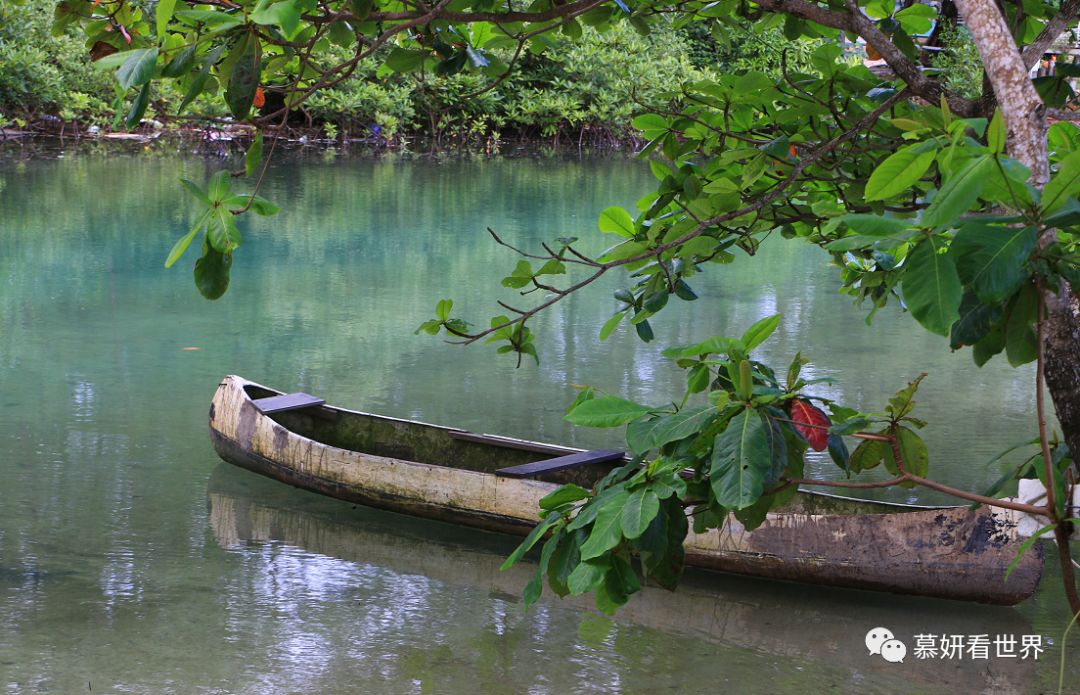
260	98
812	424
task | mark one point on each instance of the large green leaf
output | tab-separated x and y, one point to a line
741	461
917	18
163	15
868	455
997	133
138	69
563	495
652	543
566	557
212	272
245	76
402	60
284	15
587	576
1064	184
536	586
182	244
899	171
1021	343
931	286
912	449
606	411
655	433
640	510
258	204
221	230
219	186
993	259
532	539
199	81
254	155
875	225
669	568
958	193
991	344
620	583
138	107
615	220
976	321
606	530
212	18
180	63
760	332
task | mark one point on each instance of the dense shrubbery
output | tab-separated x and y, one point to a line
589	88
960	66
586	89
41	74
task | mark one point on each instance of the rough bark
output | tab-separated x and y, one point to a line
1020	104
1064	20
1062	366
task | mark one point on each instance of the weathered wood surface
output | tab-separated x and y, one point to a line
561	463
949	553
289	401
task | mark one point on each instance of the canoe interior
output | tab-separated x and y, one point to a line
443	446
430	444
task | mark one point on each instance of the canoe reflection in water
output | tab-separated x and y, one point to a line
821	629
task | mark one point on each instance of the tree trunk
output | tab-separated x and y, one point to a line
1020	104
1061	347
1024	115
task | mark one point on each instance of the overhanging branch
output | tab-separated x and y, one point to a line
768	198
1058	25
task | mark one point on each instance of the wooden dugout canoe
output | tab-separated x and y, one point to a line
449	475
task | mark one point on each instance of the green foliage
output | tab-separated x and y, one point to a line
219	206
739	454
45	74
591	84
595	83
959	63
727	47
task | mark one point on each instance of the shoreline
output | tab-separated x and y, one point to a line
224	136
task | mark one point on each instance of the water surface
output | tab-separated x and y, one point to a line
130	561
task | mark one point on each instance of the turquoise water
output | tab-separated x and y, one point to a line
130	561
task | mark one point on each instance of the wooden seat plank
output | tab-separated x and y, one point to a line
288	401
537	468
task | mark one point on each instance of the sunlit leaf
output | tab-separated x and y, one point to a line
606	411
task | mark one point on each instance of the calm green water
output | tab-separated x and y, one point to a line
131	561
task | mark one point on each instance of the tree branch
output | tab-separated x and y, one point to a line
854	21
867	121
1058	25
1020	104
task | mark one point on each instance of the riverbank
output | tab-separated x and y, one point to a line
221	140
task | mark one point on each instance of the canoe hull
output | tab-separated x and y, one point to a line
948	552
